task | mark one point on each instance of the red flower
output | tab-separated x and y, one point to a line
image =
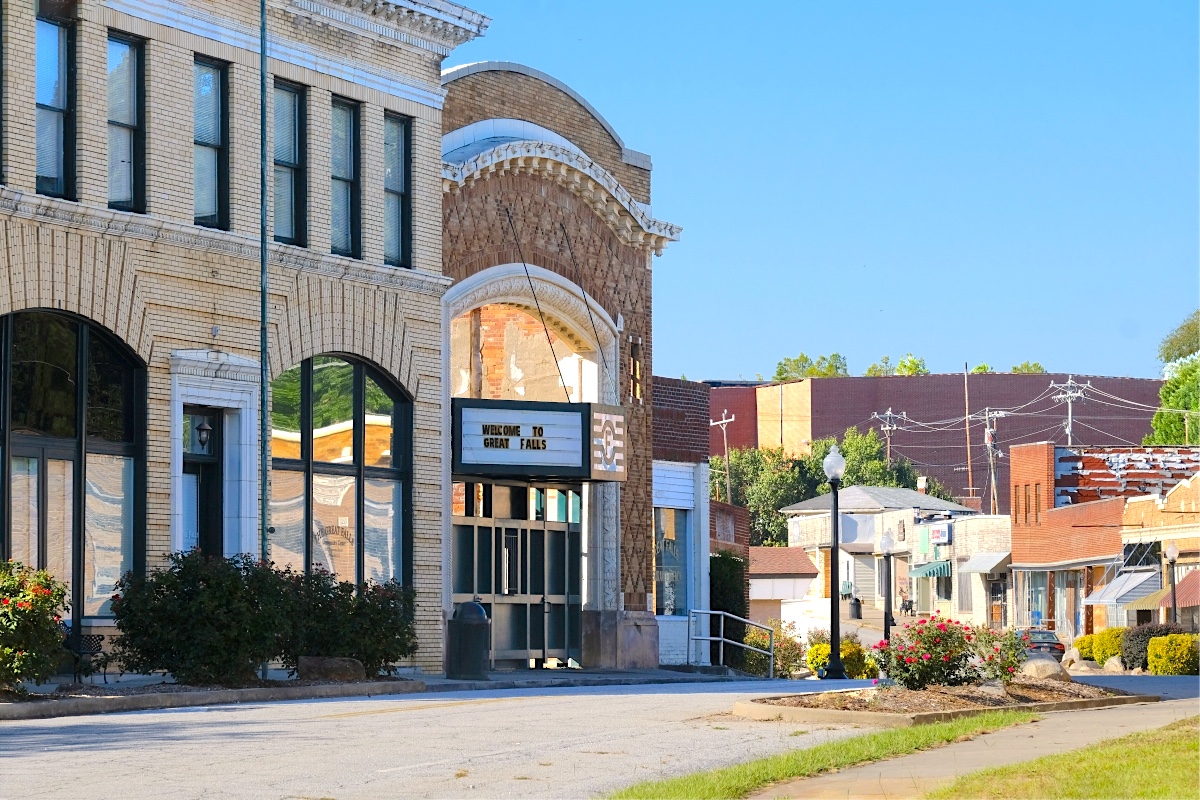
1012	669
937	640
945	658
909	659
116	597
990	658
926	656
941	627
996	648
4	601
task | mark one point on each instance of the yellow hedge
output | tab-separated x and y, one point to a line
1174	654
1084	645
1106	644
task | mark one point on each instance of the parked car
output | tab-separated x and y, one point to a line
1045	642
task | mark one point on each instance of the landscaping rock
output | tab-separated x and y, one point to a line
1114	665
993	689
1041	666
323	668
1087	665
1072	656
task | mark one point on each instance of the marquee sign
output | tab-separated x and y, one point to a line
513	438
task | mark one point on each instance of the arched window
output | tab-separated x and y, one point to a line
341	461
71	451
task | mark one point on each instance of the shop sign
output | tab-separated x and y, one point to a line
512	438
939	533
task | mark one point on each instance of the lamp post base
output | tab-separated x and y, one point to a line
835	671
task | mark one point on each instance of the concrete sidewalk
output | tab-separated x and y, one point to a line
916	774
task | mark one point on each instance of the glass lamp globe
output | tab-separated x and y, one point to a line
1172	552
886	543
834	464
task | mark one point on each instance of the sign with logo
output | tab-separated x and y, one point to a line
939	533
512	438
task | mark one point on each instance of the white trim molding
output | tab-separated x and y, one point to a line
568	168
632	157
220	380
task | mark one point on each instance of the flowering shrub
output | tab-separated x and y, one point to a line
31	634
789	650
1084	645
949	653
1106	644
855	660
818	657
1174	654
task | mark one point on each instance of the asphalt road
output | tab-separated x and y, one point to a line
515	743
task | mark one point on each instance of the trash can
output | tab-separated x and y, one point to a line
855	608
467	643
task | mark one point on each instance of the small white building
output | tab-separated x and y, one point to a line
780	578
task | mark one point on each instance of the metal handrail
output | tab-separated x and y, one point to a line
693	637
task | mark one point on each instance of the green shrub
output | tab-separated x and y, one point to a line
31	634
1000	653
789	650
1106	644
1174	654
1084	645
1135	641
948	653
727	592
204	620
329	618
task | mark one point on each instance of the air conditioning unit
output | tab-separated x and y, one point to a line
996	576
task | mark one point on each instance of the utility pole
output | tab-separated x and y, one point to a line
724	423
1069	393
889	422
967	429
993	453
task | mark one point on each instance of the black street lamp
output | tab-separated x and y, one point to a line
835	468
885	546
1172	557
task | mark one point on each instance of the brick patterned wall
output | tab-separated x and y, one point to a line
723	514
1071	533
680	420
740	402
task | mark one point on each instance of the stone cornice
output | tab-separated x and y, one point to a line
574	171
106	222
433	25
214	364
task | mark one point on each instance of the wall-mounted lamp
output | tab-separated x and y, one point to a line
203	432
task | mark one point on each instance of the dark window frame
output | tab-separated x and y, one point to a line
138	206
355	108
76	448
68	190
222	217
299	168
401	469
405	259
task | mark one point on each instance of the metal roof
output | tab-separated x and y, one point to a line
867	499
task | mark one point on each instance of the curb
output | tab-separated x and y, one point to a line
766	713
84	706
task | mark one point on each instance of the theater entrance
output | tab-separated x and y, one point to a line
518	549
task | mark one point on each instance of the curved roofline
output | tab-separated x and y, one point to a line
629	156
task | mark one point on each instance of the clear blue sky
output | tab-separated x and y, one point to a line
967	181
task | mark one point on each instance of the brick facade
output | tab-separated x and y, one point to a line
680	420
741	403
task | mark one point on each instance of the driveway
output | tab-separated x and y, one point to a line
515	743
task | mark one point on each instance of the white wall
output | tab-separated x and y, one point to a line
682	485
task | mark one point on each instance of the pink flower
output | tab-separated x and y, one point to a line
906	625
875	681
1012	669
945	658
941	627
996	648
926	656
937	640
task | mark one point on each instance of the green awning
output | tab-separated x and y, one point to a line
932	569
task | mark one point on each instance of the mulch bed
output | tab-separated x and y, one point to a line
65	691
898	700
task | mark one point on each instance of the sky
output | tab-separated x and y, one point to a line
968	182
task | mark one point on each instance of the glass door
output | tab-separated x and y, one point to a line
42	485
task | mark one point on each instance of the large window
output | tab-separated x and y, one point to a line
210	146
340	479
671	538
55	122
289	211
126	157
344	215
71	453
395	191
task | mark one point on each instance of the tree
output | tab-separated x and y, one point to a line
1028	367
911	365
981	369
1180	393
866	464
763	481
831	366
1181	342
881	368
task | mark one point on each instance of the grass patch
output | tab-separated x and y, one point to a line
741	780
1158	763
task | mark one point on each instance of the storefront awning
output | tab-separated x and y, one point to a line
1118	590
932	569
986	562
1187	591
1150	601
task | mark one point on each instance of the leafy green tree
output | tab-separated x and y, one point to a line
1179	393
911	365
881	368
866	464
830	366
1183	341
981	369
1028	367
763	481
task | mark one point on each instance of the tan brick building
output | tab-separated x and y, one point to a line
129	288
